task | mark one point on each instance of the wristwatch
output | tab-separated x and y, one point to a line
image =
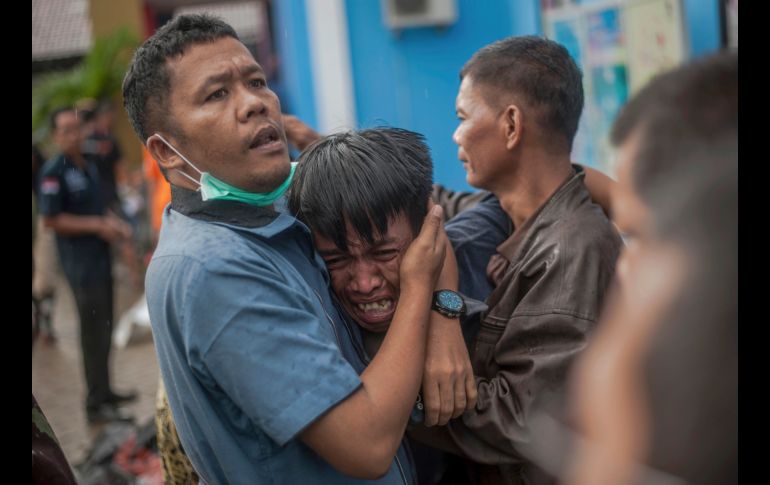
448	303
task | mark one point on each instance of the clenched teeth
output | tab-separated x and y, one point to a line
375	305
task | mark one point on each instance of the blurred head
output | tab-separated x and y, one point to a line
66	131
195	84
86	111
364	196
690	109
105	115
656	392
510	86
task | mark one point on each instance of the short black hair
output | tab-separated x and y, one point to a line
688	108
539	69
86	109
146	85
365	177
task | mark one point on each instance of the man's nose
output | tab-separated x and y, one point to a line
365	277
253	104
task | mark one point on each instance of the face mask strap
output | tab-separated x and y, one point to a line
183	158
190	178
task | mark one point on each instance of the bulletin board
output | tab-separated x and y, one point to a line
619	45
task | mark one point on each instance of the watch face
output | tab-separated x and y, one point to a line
450	300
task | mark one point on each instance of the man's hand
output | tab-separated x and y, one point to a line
112	228
424	258
298	133
448	385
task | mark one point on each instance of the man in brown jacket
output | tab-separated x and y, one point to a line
519	104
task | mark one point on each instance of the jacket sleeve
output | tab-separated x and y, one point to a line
532	358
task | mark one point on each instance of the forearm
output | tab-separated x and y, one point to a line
600	187
448	386
73	225
393	378
477	435
449	277
526	379
373	419
362	433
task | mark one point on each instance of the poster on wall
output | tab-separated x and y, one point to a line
655	42
618	45
566	29
609	76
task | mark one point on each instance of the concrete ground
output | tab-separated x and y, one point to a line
57	371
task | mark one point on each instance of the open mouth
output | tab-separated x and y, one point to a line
376	306
375	312
267	136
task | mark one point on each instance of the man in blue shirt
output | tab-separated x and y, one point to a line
265	378
72	206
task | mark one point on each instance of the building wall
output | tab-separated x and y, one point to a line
108	16
410	78
295	84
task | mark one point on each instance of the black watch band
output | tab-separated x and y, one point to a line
448	303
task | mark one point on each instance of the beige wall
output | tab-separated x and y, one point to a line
108	16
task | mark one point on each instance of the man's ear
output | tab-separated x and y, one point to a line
512	125
167	158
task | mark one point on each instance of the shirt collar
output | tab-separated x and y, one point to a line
266	221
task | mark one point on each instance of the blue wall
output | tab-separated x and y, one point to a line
410	79
295	83
702	21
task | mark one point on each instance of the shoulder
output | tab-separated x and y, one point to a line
221	251
580	220
52	167
577	235
588	226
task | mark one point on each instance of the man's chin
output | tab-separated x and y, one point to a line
375	322
267	182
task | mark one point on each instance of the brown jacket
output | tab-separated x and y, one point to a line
551	276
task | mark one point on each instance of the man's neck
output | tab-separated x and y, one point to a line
535	182
189	203
372	341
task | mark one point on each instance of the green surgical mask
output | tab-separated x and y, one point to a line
211	188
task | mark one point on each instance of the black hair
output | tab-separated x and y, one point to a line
367	178
147	84
538	69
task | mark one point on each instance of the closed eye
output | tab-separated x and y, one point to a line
385	255
335	263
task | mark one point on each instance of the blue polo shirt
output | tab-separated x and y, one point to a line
66	187
251	345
